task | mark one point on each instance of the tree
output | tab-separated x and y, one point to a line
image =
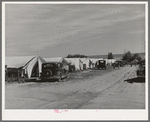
127	56
139	58
136	56
110	55
76	56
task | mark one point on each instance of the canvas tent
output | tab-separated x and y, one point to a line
106	61
60	60
29	66
111	61
76	62
86	63
80	63
33	68
94	61
17	62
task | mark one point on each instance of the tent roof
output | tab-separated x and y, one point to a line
72	60
17	62
56	59
86	60
95	60
41	59
82	59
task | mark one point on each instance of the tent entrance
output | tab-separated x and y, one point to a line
84	66
35	70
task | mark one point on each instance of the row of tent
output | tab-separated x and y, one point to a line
31	66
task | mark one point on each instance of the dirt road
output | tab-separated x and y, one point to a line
90	89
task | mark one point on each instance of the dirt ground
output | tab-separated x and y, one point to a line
89	89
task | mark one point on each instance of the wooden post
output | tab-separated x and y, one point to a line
18	77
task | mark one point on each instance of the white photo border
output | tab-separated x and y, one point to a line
74	114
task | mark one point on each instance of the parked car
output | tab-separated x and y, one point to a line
53	70
141	69
101	64
116	64
120	63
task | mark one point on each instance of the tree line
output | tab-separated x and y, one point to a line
76	56
127	56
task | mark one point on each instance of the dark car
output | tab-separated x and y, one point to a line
141	69
101	64
120	63
116	64
53	70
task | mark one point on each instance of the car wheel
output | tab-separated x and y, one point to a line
48	73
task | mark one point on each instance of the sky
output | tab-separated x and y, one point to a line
56	30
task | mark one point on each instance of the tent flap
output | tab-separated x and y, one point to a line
29	67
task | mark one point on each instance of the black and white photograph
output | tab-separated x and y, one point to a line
64	57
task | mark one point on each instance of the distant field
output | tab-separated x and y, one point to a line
116	56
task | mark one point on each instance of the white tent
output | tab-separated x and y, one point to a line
54	59
86	62
110	61
60	60
80	63
94	61
17	62
76	62
33	68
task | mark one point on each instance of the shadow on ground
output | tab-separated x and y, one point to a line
136	80
49	80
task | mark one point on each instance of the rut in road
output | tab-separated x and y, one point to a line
121	95
85	84
78	94
99	84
